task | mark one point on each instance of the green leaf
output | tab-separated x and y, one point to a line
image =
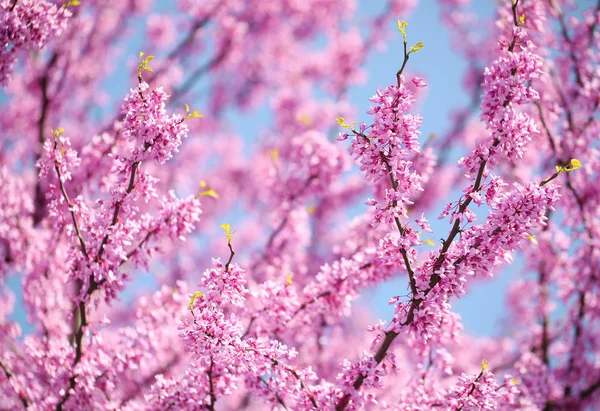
197	294
208	193
193	114
575	164
57	132
401	28
228	232
343	123
72	3
416	47
522	20
484	365
143	63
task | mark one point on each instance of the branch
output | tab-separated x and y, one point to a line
274	361
39	199
10	375
83	322
201	71
569	42
213	398
63	190
473	386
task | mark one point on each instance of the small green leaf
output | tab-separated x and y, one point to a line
72	3
208	193
193	114
197	294
522	20
428	242
343	123
484	365
533	239
288	279
57	132
143	63
575	164
228	232
401	28
416	47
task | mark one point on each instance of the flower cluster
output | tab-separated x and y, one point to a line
473	392
516	215
384	152
505	87
365	369
304	165
27	24
94	236
58	154
146	122
14	207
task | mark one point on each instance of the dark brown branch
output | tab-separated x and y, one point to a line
10	375
81	309
577	335
473	386
39	198
231	254
585	394
213	397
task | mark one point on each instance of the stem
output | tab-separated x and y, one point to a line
406	57
39	198
231	254
81	310
274	361
10	375
213	398
201	71
473	386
